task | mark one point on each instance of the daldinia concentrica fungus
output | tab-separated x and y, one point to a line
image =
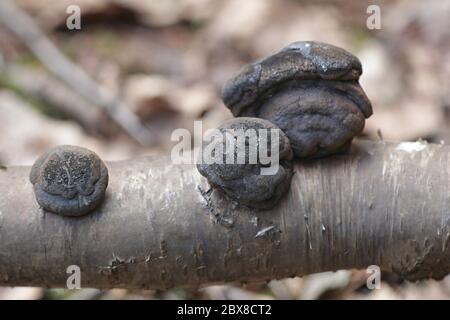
310	90
250	160
69	180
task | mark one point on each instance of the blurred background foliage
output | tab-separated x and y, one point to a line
168	60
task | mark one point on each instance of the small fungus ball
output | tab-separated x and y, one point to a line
250	160
69	180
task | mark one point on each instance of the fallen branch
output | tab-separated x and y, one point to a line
70	73
160	225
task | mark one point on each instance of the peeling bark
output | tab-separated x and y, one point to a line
161	226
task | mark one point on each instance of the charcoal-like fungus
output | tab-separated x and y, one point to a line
310	90
69	180
249	160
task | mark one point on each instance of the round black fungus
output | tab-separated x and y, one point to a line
69	180
245	182
310	90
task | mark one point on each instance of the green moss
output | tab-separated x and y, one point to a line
28	60
57	294
106	41
360	38
34	102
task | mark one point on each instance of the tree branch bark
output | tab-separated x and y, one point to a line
160	226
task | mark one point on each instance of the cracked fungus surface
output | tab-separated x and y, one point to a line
310	90
244	182
69	180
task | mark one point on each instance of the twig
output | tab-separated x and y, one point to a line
28	31
47	88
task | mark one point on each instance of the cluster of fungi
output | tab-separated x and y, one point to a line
309	92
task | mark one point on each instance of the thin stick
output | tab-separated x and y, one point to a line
28	31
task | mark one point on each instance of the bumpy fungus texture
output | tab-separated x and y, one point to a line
244	182
69	180
308	89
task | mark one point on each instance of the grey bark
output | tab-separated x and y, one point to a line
160	226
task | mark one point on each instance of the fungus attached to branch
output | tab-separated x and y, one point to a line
69	180
240	166
310	90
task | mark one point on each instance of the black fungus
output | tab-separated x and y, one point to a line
310	90
245	182
69	180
